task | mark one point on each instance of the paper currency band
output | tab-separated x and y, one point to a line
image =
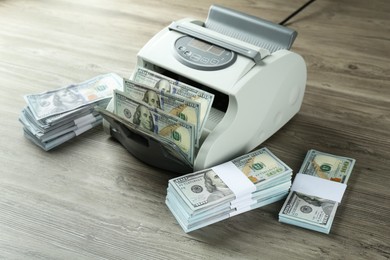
84	120
318	187
235	179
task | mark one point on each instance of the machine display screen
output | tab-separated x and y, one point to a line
202	55
206	47
200	45
216	50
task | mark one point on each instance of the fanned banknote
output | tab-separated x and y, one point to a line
65	99
183	108
156	121
202	198
161	82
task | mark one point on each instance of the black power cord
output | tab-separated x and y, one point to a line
296	12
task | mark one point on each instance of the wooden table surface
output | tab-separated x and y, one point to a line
91	199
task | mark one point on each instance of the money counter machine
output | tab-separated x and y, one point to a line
245	62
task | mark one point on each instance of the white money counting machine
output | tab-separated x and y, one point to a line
245	62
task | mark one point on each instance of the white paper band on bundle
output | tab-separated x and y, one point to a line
83	129
318	187
235	179
84	120
242	200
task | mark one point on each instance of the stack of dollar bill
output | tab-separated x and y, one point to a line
54	117
312	212
169	111
211	195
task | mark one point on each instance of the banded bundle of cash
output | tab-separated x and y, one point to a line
54	117
245	183
161	108
317	191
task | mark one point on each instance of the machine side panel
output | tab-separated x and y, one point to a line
264	100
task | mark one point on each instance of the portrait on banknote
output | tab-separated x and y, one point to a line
143	118
214	184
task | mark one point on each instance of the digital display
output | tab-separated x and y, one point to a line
216	50
206	47
203	46
202	55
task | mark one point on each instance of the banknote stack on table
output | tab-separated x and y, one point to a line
166	110
212	195
317	191
54	117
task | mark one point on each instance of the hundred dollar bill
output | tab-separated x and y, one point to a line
80	125
59	118
55	131
66	136
262	166
186	109
327	166
45	125
65	99
205	189
198	192
161	82
191	216
170	147
308	211
191	224
156	121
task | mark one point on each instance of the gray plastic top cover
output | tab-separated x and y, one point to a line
250	29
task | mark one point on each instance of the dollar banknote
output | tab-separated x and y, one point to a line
163	83
48	134
156	121
199	221
327	166
312	212
64	137
202	190
81	125
50	123
58	119
308	211
186	109
258	196
203	198
262	166
170	147
205	189
66	99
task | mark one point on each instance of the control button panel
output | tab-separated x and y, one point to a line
202	55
